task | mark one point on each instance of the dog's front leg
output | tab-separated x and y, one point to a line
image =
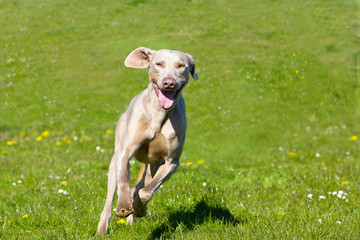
145	194
106	213
124	206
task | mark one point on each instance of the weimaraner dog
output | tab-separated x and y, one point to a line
152	130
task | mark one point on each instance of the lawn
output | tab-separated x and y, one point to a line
272	147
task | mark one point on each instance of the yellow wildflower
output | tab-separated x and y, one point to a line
347	27
189	163
297	71
201	161
45	133
25	216
344	182
354	138
39	138
109	132
87	138
27	138
64	182
292	154
121	221
191	38
58	143
3	152
9	143
293	54
52	122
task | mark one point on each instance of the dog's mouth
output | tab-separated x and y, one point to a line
166	97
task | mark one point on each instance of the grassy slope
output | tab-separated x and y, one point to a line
275	77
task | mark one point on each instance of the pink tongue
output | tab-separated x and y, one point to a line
166	98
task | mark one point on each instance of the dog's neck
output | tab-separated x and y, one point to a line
157	113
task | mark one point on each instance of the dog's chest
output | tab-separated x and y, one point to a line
153	150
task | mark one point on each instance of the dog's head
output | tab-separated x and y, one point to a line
169	71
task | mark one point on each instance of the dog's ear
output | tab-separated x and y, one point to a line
139	58
192	67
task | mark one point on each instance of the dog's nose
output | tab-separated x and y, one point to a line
169	82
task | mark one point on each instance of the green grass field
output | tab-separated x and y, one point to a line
272	148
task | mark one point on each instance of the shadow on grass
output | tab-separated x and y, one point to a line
197	216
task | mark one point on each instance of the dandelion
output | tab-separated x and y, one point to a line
354	138
58	143
189	163
191	38
66	140
292	154
25	216
10	143
121	221
45	133
310	195
293	54
347	27
344	182
87	138
64	182
52	122
3	152
297	71
201	161
110	132
39	138
27	138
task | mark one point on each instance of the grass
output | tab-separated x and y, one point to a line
272	122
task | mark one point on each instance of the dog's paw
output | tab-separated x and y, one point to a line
124	212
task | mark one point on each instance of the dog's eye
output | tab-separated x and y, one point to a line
159	64
181	65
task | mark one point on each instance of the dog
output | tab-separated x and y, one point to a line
152	130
